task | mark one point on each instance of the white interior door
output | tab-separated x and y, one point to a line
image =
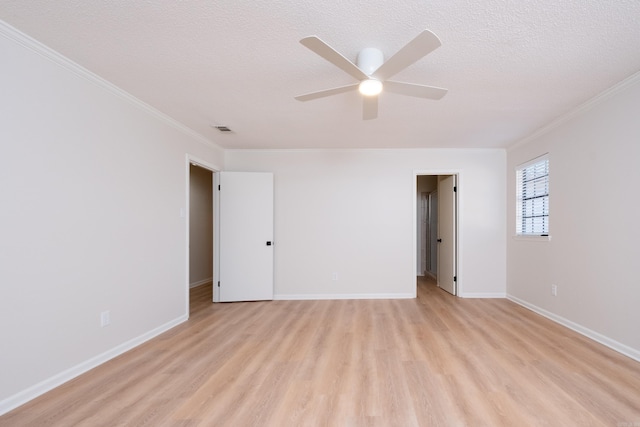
447	233
246	236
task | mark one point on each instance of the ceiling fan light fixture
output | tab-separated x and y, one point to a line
372	71
370	87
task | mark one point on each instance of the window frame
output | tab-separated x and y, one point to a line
519	235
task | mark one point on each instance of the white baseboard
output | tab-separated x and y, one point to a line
201	282
36	390
483	295
612	344
340	296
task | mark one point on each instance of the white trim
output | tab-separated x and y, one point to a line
579	110
604	340
57	380
531	237
484	295
201	282
291	297
203	163
46	52
540	158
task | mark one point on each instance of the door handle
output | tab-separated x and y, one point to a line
269	243
439	240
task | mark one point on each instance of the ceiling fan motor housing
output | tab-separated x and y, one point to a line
369	60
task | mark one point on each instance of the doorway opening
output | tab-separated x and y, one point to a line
436	229
201	232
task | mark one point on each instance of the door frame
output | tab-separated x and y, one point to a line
185	213
458	220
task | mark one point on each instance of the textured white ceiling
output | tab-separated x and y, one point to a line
511	66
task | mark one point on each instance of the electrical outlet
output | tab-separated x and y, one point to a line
554	290
105	318
334	277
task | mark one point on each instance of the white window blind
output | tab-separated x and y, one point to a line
532	197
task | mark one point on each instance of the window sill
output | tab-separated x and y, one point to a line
531	238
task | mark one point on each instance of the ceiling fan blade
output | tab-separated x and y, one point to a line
369	107
417	48
326	92
411	89
333	56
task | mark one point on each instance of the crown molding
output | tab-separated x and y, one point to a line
57	58
579	110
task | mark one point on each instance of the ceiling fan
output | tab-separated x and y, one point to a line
372	71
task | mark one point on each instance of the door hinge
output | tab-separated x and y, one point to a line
455	189
218	188
455	279
218	283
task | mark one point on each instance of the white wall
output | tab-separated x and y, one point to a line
594	227
352	212
200	226
92	184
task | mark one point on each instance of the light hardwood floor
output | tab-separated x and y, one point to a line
433	361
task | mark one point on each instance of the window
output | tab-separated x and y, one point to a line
532	197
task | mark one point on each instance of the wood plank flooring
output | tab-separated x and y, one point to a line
433	361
